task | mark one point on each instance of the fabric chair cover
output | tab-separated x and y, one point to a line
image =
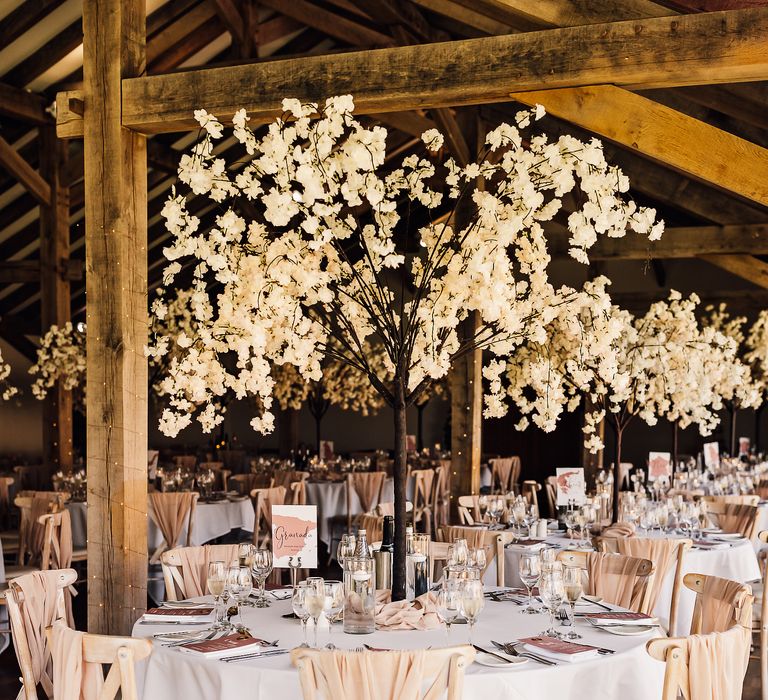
475	536
505	472
716	603
373	526
170	512
663	554
367	486
194	565
736	517
620	585
41	505
245	483
38	610
73	677
717	664
274	496
366	675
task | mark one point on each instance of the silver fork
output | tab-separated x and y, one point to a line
513	651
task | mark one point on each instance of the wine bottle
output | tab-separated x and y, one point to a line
388	535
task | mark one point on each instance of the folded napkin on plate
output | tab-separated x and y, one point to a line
619	530
419	614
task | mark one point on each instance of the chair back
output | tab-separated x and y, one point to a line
35	601
57	543
468	510
187	462
287	477
505	473
424	483
185	569
719	603
704	666
297	493
31	505
263	500
369	487
398	675
550	488
245	483
744	499
442	506
734	517
373	526
616	578
665	554
530	490
78	658
169	511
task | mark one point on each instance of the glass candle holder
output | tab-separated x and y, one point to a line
359	596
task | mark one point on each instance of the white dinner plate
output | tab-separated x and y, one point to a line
730	536
628	630
492	662
712	530
182	636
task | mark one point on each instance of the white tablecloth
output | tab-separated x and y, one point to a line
330	497
630	674
212	520
738	563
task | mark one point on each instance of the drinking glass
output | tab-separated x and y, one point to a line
477	559
518	514
240	585
472	602
552	593
530	572
572	584
217	581
334	603
482	506
449	605
314	600
460	552
245	553
495	509
531	515
299	609
346	549
262	568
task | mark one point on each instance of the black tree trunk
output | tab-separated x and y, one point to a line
400	473
616	475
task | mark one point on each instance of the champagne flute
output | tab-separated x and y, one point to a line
529	566
262	568
552	593
449	605
217	580
299	608
572	583
334	604
314	600
472	602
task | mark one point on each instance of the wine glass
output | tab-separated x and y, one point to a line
334	604
477	559
531	515
518	513
314	600
552	593
346	549
262	568
572	584
472	602
217	580
245	552
299	608
460	552
240	585
529	566
482	506
449	605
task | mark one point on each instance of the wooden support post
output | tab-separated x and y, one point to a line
116	282
466	416
54	294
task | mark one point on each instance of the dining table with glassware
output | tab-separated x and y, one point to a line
504	667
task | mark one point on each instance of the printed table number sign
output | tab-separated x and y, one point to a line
570	486
743	446
659	466
712	455
326	450
410	443
294	534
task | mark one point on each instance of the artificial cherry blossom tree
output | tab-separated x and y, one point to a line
7	390
342	250
61	357
663	364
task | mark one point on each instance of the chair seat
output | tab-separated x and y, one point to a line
14	570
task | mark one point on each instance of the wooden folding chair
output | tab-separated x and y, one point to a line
121	654
713	593
424	482
446	666
550	488
734	517
173	564
505	472
263	500
191	497
17	614
530	490
468	509
245	483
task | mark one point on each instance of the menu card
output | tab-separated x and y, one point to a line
712	454
232	644
570	486
619	617
178	614
294	536
560	649
659	466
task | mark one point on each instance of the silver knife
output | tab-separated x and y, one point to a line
490	653
257	655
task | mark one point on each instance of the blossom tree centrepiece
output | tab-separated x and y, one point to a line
338	250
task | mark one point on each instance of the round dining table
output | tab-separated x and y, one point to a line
629	673
212	520
736	561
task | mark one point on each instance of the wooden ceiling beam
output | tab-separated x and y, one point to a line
677	242
713	5
179	30
23	17
24	105
233	20
28	271
728	102
665	135
657	52
24	173
747	267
